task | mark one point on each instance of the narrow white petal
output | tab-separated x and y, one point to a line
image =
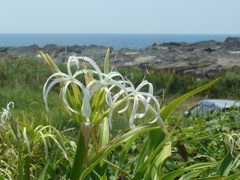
116	97
110	104
94	65
47	88
142	84
134	110
86	108
64	96
10	104
69	65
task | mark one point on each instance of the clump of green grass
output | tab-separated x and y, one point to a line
21	81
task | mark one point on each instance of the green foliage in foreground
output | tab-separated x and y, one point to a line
40	145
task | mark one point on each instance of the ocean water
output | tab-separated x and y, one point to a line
117	41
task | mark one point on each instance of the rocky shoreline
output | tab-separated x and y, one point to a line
206	58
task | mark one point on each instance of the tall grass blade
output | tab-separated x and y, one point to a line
27	162
26	141
141	161
190	175
6	173
166	91
233	176
151	153
199	166
156	164
212	178
44	171
104	177
226	164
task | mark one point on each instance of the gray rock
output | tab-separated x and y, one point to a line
206	58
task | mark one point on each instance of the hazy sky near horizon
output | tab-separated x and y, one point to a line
120	16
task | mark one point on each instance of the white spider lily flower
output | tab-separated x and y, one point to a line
66	79
233	142
103	81
6	114
107	83
145	98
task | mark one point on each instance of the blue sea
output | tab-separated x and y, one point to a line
117	41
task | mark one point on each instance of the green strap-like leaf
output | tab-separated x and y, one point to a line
44	171
233	176
226	164
167	110
132	133
199	166
79	158
106	62
157	162
190	175
104	177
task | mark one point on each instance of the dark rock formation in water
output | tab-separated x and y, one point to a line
205	58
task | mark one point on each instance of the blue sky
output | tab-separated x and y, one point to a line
120	16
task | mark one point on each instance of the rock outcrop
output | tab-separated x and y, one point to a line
206	58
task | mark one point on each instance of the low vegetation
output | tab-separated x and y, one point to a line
62	144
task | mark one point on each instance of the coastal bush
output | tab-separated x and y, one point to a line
81	144
22	74
229	86
207	139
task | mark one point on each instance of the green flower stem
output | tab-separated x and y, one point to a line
81	154
97	105
116	105
79	159
49	61
95	139
77	95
